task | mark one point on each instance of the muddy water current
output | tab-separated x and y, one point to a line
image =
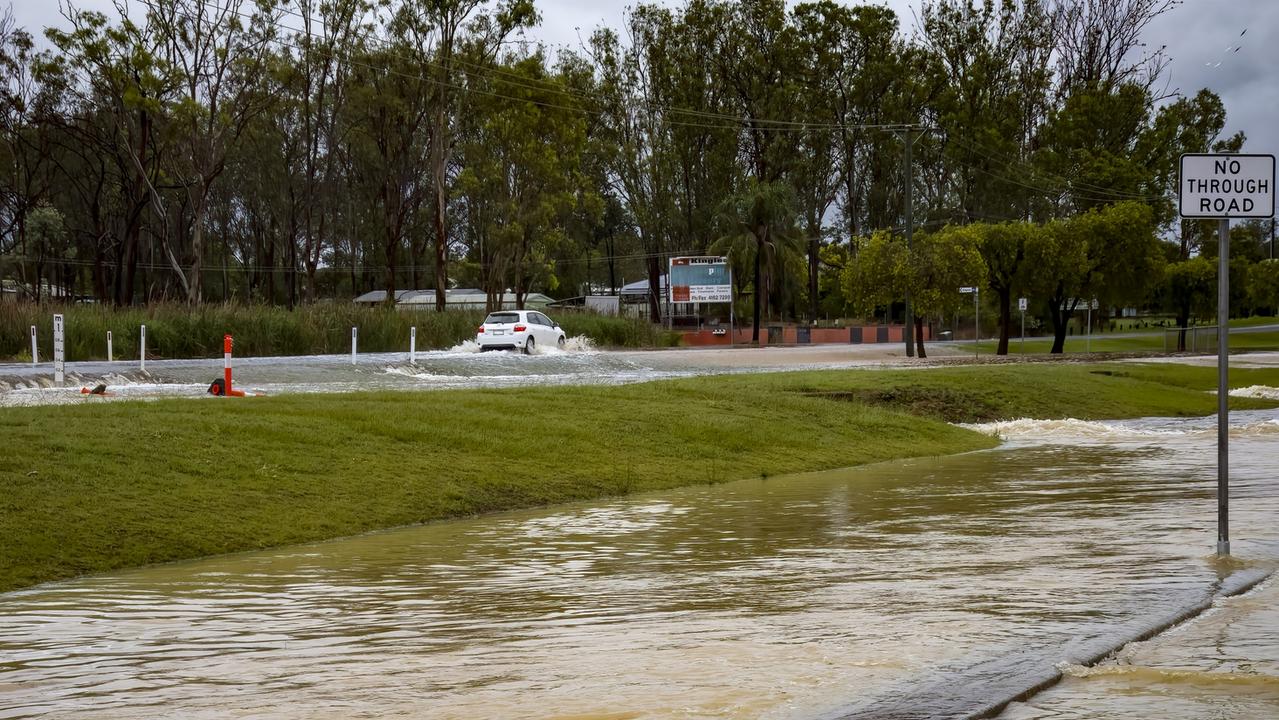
928	588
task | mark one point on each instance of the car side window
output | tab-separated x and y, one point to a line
541	319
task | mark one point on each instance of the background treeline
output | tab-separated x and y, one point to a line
282	151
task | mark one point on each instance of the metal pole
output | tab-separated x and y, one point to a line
910	228
731	329
976	321
1023	332
1088	334
1223	390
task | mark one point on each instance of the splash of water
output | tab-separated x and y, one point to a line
1264	392
1069	429
578	344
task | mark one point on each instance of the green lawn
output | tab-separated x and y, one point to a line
100	486
1142	341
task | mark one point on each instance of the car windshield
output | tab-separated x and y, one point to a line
502	318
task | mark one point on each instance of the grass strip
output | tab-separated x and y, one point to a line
96	487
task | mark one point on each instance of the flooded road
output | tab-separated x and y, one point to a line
460	367
926	588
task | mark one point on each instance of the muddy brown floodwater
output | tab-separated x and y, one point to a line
926	588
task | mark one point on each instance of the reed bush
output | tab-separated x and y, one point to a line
181	331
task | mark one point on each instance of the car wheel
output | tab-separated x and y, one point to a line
528	346
561	342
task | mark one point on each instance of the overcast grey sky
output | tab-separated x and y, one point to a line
1198	35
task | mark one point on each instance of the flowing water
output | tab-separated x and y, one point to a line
925	588
579	363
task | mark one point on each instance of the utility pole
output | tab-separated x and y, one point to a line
908	134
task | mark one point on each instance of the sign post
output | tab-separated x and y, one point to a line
1224	187
976	293
1088	337
1021	305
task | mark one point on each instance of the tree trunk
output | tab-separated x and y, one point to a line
1060	316
919	337
759	254
814	263
439	139
195	289
1005	317
654	289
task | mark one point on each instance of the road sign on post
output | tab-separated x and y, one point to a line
1227	186
702	280
1224	187
1021	305
975	292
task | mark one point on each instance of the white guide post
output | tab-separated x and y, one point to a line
110	355
142	352
355	334
59	351
35	348
413	345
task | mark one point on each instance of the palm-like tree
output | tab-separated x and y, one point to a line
763	217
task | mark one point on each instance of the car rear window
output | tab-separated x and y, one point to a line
503	318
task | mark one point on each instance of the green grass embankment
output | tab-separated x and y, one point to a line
184	331
1136	340
95	487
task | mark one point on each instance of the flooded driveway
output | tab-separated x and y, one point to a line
926	588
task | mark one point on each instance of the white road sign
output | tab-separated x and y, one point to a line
967	290
1021	304
1227	186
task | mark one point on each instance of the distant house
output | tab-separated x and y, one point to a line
455	299
377	297
14	291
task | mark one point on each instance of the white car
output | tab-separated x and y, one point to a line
518	330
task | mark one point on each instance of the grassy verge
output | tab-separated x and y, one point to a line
1152	342
183	331
95	487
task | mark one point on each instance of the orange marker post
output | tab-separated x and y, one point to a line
226	362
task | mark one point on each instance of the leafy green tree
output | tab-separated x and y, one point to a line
523	177
938	264
1263	286
1111	254
1190	287
763	215
1003	249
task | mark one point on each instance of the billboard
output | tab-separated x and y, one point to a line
700	280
